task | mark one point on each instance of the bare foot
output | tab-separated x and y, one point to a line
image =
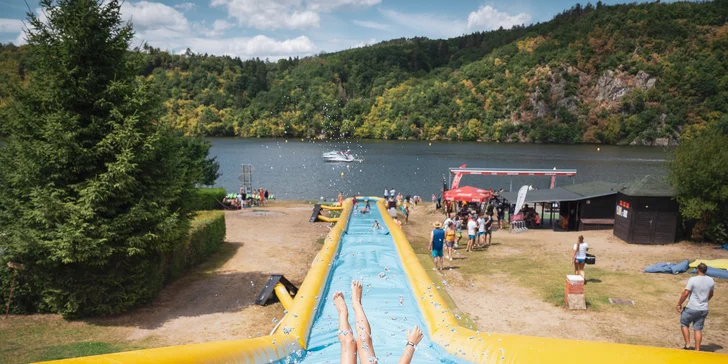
356	292
340	304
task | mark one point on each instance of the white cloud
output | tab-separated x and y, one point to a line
371	24
186	6
146	15
488	18
258	46
284	14
327	5
11	25
269	14
166	28
217	29
431	25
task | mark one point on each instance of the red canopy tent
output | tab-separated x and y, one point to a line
468	194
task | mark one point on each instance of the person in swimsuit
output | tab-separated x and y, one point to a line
366	208
437	238
472	226
361	345
579	256
449	241
377	226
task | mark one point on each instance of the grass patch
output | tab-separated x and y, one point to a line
321	241
55	352
545	272
49	337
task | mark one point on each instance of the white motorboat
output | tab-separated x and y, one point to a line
334	153
340	157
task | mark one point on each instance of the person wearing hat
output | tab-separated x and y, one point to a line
437	238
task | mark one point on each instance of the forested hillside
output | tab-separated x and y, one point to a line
625	74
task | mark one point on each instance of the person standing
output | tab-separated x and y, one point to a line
340	198
579	256
472	227
501	212
449	241
488	229
458	230
481	231
406	211
437	238
448	220
386	194
700	290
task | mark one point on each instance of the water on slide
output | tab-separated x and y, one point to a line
372	258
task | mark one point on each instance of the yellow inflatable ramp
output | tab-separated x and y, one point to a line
715	263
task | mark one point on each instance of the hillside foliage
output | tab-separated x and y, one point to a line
622	74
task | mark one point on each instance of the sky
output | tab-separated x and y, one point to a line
275	29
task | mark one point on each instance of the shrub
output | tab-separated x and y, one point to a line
206	199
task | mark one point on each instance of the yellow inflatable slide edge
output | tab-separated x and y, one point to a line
480	347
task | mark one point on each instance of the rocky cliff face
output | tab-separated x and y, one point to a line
549	94
612	86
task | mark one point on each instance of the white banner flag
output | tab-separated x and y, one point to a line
521	198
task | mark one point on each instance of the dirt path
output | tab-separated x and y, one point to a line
218	303
515	285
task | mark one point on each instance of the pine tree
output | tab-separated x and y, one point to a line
93	187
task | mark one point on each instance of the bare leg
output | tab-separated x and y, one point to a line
698	339
346	336
363	330
581	270
686	335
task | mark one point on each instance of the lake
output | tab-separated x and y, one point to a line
293	169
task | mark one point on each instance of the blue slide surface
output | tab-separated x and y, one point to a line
371	257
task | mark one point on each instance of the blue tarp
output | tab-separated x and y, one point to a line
714	272
673	268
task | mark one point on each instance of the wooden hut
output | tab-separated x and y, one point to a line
646	212
594	210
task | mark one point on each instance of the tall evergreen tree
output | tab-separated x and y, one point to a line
92	185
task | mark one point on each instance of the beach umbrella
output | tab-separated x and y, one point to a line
468	194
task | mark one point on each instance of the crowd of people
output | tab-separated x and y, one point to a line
446	236
244	198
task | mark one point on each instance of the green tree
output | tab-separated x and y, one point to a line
93	185
699	174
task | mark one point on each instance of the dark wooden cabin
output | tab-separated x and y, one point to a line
646	212
595	208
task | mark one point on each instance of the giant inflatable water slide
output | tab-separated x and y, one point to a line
398	294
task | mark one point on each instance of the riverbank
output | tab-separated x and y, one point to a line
214	302
516	286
